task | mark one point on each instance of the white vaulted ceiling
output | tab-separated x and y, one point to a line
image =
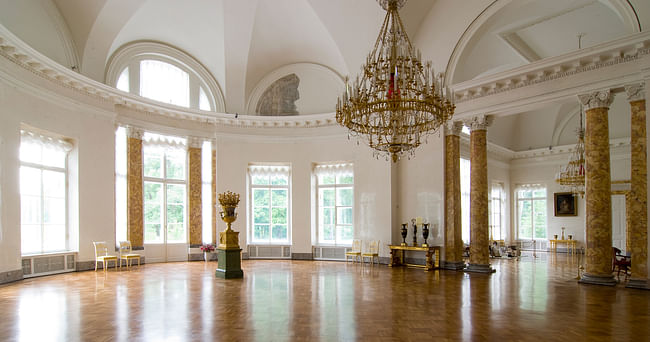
244	42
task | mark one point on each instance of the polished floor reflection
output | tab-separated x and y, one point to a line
525	300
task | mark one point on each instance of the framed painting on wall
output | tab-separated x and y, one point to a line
566	204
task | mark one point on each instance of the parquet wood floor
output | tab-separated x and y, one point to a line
527	300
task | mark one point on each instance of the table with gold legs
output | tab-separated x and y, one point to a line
570	245
432	256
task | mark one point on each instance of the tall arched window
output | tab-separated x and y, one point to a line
163	73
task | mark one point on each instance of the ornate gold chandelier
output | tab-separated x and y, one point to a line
572	176
397	101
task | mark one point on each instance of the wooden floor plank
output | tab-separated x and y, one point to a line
531	299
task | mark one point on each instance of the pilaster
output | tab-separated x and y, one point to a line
195	199
214	192
134	181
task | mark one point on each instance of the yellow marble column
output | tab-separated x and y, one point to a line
453	228
214	192
479	256
637	228
194	192
598	258
134	187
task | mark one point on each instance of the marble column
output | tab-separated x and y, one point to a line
637	228
134	187
214	192
598	258
453	218
194	197
479	256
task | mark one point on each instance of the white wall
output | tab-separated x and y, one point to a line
91	167
372	215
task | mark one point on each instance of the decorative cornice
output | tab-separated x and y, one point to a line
620	51
478	123
597	99
635	92
194	142
134	132
24	56
453	127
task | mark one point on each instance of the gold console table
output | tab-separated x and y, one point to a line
570	245
397	256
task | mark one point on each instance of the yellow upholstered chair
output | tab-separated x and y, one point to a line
371	252
101	255
355	252
127	254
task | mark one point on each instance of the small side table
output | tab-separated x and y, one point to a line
570	245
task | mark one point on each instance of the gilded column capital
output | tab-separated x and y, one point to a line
597	99
635	92
478	123
134	132
453	127
194	142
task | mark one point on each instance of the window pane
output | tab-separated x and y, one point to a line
53	157
279	215
152	163
53	184
53	237
327	215
153	233
344	196
30	210
164	82
279	180
345	179
175	213
176	193
175	165
261	215
204	103
279	198
540	218
30	236
152	213
539	193
175	232
344	234
326	179
123	80
344	215
261	232
525	219
326	197
152	192
260	180
30	152
260	197
30	181
524	194
327	233
279	232
54	211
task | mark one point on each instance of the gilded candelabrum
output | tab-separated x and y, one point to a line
228	239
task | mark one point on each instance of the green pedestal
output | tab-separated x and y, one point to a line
229	263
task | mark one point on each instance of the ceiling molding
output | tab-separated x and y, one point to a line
65	36
23	56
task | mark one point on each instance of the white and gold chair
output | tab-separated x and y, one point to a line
101	255
372	252
127	254
355	252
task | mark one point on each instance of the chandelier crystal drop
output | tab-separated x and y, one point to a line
396	101
572	176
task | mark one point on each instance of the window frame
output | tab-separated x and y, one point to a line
335	186
532	199
64	170
501	212
131	54
251	207
164	181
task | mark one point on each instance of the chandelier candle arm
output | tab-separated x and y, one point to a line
396	101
